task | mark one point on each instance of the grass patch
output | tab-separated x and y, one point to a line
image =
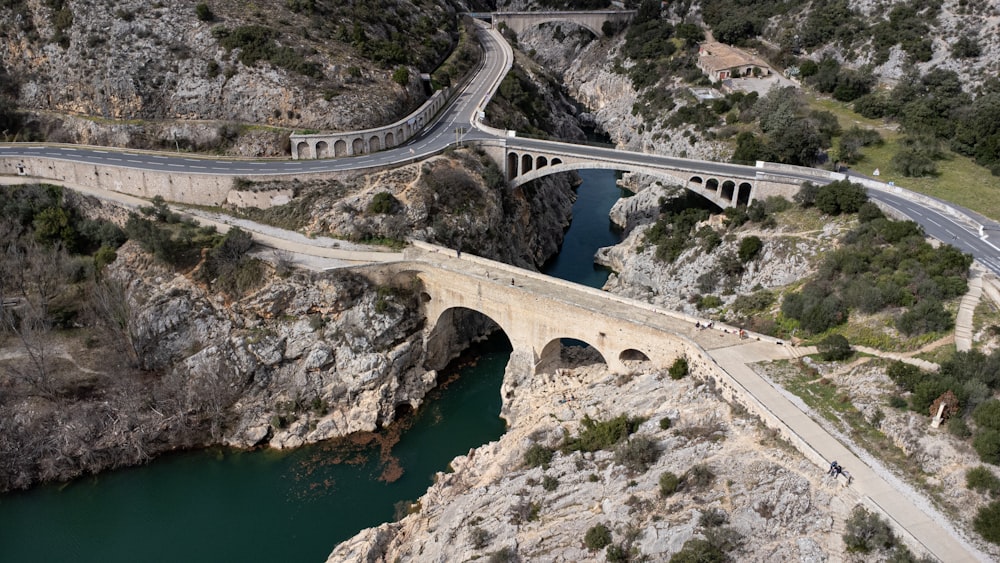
938	355
827	400
960	180
878	332
986	314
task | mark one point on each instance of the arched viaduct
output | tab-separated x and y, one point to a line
535	312
592	20
354	143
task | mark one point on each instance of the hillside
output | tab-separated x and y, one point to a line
170	74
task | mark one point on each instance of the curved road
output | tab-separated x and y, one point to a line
954	227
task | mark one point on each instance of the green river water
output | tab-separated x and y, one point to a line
229	505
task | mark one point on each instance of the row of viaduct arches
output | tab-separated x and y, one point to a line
354	143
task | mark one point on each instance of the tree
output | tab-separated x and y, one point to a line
679	369
834	347
842	196
866	532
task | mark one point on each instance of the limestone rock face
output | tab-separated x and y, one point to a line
300	360
153	75
780	505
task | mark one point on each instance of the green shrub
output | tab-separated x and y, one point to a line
982	480
750	247
538	455
708	302
598	435
958	427
665	423
668	483
597	537
697	550
987	522
382	203
987	414
897	402
679	369
986	442
550	483
834	347
637	453
203	12
713	518
866	532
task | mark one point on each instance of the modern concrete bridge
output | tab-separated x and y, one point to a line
592	20
725	185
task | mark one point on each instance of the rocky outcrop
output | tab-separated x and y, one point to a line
300	360
776	504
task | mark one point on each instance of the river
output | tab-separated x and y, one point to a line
229	505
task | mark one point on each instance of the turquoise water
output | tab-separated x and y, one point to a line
228	505
591	229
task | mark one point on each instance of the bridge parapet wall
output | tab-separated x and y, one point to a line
354	143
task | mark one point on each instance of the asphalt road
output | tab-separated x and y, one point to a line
455	124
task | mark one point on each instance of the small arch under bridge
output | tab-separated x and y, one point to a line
593	20
725	185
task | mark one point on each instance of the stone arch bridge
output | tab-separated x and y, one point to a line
592	20
725	185
536	312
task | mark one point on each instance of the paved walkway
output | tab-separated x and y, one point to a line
910	511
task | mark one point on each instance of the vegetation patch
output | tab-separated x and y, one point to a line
597	435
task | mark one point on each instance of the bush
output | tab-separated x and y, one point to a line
203	12
708	302
479	537
595	435
986	442
987	522
897	402
840	197
637	453
597	537
866	532
713	518
538	455
834	348
550	483
665	423
505	555
750	247
679	369
982	480
928	315
987	414
699	551
383	203
668	483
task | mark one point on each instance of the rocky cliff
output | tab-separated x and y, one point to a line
169	75
737	482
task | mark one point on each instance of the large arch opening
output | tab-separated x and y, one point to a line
322	150
390	140
567	353
696	181
743	195
563	29
728	187
712	185
303	150
541	162
340	148
374	144
455	330
358	146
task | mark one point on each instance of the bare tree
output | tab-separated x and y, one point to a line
111	305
